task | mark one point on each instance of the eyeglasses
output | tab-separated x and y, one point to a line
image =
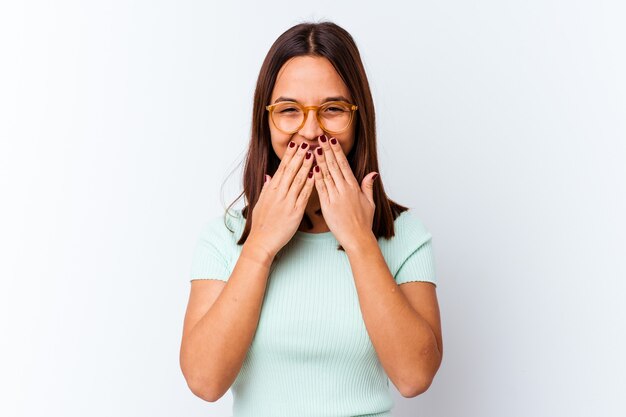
333	116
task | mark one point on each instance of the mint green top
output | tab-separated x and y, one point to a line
311	354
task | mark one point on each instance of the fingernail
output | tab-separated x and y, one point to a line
292	144
323	138
319	151
308	155
317	168
304	145
310	174
333	141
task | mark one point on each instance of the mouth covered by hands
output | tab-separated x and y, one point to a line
348	208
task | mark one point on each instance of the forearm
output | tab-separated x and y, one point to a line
405	343
217	345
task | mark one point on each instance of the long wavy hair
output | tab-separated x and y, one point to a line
328	40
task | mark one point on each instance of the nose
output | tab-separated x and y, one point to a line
311	129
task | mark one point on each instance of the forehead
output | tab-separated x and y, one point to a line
309	79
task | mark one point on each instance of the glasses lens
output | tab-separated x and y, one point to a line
335	116
287	116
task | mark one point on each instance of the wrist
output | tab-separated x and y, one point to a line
361	243
256	252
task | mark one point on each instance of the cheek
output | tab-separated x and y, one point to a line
280	142
347	143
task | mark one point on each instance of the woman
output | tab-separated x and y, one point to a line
294	299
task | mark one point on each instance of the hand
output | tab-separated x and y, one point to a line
348	208
280	207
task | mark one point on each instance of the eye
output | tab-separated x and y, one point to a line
335	108
287	108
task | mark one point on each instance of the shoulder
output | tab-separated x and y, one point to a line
224	227
409	229
217	248
410	233
409	252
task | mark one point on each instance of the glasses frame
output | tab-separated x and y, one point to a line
305	110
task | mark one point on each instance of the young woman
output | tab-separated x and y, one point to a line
321	289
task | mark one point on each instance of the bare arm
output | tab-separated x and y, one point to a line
410	346
222	318
220	323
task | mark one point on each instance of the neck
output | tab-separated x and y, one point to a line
314	211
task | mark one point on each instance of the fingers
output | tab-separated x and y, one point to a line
266	184
301	177
322	164
330	164
293	167
340	164
287	157
306	191
322	190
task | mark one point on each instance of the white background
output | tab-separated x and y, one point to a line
501	123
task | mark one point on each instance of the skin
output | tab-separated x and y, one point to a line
222	317
410	347
309	80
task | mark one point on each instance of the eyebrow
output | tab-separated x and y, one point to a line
336	98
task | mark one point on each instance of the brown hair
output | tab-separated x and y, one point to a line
323	39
